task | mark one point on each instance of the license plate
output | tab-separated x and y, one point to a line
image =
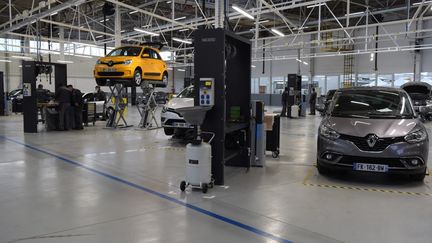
175	124
370	167
109	70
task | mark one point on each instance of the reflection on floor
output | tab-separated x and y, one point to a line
124	188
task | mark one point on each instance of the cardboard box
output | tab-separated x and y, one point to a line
268	121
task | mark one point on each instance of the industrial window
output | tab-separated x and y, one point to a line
366	80
426	77
385	80
332	82
320	79
402	78
12	45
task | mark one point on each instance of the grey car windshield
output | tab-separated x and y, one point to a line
372	104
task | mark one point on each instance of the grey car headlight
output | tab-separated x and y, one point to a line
329	133
164	109
98	62
127	62
416	136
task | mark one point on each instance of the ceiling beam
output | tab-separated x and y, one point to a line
47	13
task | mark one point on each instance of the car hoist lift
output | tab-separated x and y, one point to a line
116	114
147	108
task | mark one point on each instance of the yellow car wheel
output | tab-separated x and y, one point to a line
165	78
137	77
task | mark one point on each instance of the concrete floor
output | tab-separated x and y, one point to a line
101	185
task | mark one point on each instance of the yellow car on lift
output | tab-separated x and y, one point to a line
131	65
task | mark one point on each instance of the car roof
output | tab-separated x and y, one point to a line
139	46
377	88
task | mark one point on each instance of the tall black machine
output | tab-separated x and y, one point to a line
2	96
294	94
224	57
30	71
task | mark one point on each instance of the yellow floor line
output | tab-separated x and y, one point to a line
355	188
370	189
308	176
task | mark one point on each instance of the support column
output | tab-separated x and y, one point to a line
61	42
219	13
418	54
117	26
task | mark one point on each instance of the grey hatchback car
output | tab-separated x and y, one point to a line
374	130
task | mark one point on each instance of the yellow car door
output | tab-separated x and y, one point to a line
159	64
147	64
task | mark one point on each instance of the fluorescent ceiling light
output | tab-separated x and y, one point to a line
264	21
182	41
146	32
244	13
132	12
414	4
183	30
53	13
181	70
83	44
356	13
180	18
63	61
300	61
301	28
22	57
103	20
277	32
253	66
99	36
122	31
168	1
5	61
83	56
315	5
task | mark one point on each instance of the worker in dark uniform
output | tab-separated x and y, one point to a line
42	96
284	102
99	94
64	98
312	101
77	105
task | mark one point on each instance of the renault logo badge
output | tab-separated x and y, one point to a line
110	63
371	140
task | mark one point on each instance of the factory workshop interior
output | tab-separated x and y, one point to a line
200	121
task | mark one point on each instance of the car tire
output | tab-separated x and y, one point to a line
418	177
165	78
169	131
137	79
101	81
323	170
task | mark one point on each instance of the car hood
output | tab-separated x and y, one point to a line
116	59
363	127
417	87
176	103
